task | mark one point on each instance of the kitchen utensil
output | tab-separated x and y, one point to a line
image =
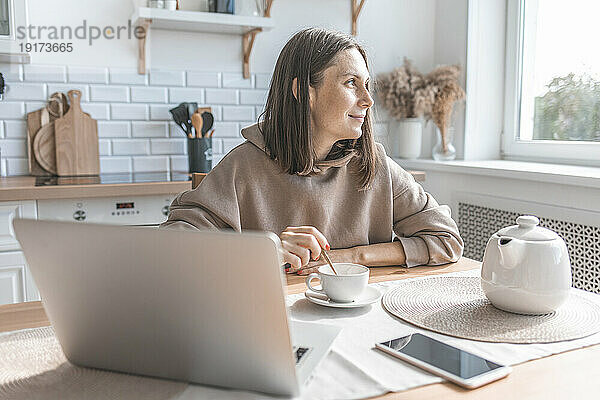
326	257
35	123
345	287
200	110
76	136
191	109
197	123
180	116
526	268
208	120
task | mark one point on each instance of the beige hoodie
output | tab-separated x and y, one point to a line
248	191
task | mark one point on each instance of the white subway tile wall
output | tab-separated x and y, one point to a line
180	95
26	91
88	75
150	129
204	79
45	73
15	130
134	124
109	93
141	94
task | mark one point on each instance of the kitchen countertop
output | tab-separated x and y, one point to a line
110	185
15	188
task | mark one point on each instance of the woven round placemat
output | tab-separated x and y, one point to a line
33	366
456	306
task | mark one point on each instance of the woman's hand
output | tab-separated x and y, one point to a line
339	256
300	245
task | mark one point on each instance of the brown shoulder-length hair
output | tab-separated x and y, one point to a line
285	122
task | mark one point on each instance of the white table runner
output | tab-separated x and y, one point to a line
355	370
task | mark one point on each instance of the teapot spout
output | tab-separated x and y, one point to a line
511	251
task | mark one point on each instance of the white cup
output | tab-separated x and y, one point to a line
345	287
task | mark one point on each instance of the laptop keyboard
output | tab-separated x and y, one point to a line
300	352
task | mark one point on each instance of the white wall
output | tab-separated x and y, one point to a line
390	29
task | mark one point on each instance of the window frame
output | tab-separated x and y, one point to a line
9	44
588	153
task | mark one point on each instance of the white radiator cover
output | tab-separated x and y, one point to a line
480	216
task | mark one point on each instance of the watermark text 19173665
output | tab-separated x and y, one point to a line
46	47
83	32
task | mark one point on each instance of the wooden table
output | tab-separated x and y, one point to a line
571	375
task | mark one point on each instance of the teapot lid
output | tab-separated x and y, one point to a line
527	229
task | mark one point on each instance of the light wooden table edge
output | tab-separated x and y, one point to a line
571	374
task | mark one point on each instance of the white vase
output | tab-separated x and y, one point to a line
405	142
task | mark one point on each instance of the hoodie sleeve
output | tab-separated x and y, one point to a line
426	229
213	205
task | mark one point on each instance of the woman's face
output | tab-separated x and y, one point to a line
338	106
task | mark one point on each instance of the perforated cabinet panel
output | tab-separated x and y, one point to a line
477	224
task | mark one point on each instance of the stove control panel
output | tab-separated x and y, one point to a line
135	210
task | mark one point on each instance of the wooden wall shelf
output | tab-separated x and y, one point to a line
195	21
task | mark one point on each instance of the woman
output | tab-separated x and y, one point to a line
311	172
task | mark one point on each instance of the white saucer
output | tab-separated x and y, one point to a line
369	296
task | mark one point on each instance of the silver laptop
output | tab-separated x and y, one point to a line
203	307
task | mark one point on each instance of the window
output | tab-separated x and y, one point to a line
13	13
552	103
4	18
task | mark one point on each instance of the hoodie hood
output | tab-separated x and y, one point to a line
253	135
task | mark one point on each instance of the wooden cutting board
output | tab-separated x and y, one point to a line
76	138
35	121
45	149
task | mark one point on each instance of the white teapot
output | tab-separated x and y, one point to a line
526	268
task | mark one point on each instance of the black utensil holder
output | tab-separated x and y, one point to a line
200	154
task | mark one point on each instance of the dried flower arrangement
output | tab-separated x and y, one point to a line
407	93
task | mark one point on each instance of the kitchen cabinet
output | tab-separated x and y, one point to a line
13	14
16	282
8	212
